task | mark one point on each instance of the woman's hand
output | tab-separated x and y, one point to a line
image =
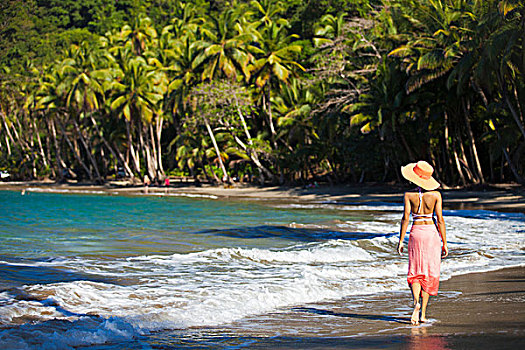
400	248
444	251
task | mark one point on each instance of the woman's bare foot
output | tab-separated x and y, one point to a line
423	319
415	314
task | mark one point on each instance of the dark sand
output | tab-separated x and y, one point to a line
473	311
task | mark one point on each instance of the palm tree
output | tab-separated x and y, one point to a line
445	36
139	34
83	88
225	47
267	11
137	95
275	64
50	100
294	108
329	29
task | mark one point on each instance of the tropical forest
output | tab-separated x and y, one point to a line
262	91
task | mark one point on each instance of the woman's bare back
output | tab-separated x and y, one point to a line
429	200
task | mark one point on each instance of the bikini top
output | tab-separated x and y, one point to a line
418	216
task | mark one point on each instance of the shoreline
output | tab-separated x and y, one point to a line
507	198
469	311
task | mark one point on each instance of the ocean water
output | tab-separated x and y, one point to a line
108	272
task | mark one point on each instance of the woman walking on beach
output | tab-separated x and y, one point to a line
425	248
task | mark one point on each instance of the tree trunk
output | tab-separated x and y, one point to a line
152	141
503	149
458	165
148	154
517	176
75	152
48	154
25	148
40	147
217	151
473	144
9	137
269	109
32	144
104	141
155	152
270	116
514	115
262	169
463	161
131	149
158	125
252	153
8	145
60	162
88	150
447	144
513	112
140	149
125	163
518	103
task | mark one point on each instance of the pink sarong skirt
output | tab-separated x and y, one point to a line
424	257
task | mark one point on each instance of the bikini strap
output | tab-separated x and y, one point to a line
418	215
420	200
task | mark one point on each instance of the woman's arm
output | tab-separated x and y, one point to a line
441	224
404	224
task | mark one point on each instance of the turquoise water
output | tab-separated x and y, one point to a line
47	225
112	271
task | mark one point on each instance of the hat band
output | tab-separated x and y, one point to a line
422	173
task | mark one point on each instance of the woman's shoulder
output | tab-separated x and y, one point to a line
434	196
415	192
409	194
435	193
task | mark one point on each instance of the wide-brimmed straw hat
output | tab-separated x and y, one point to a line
420	173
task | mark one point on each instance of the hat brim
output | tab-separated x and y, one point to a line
408	173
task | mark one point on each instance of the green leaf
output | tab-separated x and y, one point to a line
402	51
281	72
366	128
358	119
127	112
118	102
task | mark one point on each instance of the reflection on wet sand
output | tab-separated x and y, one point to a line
420	340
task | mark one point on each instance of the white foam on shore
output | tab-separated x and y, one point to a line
168	193
222	285
64	190
154	192
372	206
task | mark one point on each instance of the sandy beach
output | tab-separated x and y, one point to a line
471	311
509	197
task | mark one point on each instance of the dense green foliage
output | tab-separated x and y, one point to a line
280	91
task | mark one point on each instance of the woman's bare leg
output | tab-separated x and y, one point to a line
425	296
416	291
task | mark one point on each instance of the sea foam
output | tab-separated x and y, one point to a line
222	285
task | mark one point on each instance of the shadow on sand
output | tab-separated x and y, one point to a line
404	320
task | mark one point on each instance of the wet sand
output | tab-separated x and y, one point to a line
472	311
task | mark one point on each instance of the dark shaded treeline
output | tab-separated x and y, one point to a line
294	91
